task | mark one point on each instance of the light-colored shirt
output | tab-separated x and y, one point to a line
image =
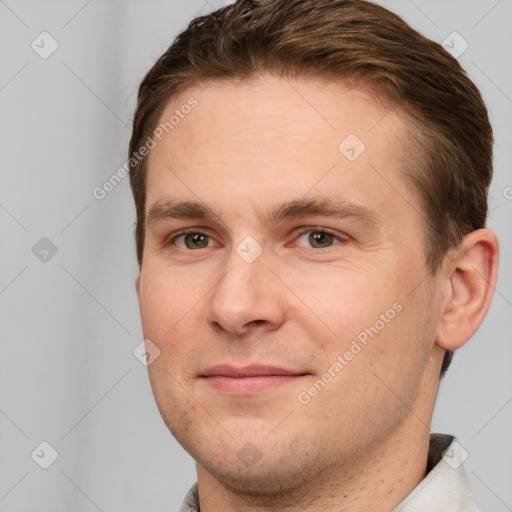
444	489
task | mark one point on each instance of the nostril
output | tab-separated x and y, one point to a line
256	322
216	327
219	328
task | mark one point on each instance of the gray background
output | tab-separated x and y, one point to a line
69	324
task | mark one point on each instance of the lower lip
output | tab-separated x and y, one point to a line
249	385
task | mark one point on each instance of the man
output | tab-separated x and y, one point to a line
310	179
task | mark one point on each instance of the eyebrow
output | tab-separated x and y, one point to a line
169	209
323	207
298	208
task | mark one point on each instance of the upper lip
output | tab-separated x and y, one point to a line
254	370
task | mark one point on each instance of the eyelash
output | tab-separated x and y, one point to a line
195	231
311	229
339	238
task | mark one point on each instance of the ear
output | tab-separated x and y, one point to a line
137	286
470	280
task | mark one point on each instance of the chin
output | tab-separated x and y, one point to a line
267	480
281	467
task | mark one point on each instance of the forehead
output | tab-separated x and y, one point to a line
258	139
318	109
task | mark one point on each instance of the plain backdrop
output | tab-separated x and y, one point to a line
69	72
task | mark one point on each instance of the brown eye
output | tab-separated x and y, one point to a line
193	241
320	239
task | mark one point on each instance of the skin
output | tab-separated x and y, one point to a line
361	442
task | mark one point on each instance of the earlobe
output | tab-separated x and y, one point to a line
471	280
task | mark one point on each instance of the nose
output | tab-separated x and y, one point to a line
247	297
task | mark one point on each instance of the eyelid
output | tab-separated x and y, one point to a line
318	229
341	237
170	240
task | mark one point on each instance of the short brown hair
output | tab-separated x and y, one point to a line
450	150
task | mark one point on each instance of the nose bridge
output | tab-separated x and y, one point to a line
245	295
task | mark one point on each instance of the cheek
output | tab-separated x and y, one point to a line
372	321
165	298
396	352
379	371
343	302
172	309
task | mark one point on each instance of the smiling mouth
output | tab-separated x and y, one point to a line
248	380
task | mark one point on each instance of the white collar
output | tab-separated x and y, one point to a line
446	487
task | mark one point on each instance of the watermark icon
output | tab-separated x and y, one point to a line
100	192
44	45
455	455
44	250
351	147
249	249
146	352
44	455
357	345
507	193
249	454
455	44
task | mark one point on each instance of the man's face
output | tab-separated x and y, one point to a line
303	249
